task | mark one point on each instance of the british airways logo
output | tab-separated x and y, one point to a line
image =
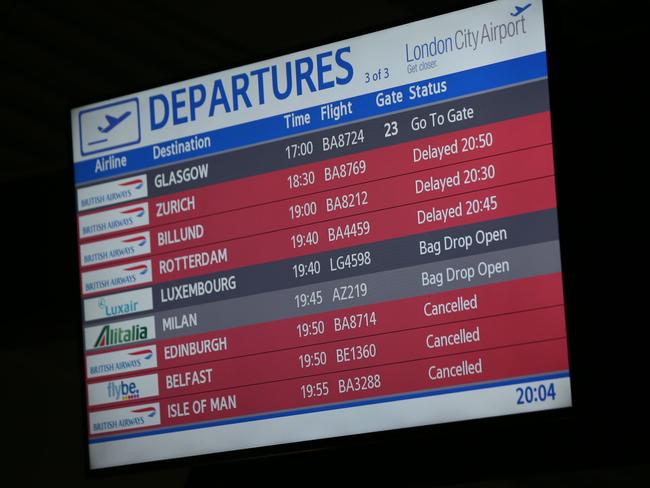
143	353
141	269
138	211
138	240
148	411
105	279
111	193
137	183
123	361
113	220
115	249
117	419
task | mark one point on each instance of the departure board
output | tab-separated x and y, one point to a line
353	238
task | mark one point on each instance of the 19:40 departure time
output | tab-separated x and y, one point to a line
338	263
307	239
310	268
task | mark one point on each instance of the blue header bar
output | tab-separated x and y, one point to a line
365	106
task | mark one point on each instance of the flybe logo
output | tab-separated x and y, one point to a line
113	220
120	333
114	249
112	193
118	419
123	390
123	361
116	277
109	306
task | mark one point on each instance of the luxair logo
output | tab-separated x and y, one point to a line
122	391
118	309
114	336
136	183
148	411
138	211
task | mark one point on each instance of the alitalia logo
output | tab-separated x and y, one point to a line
114	336
120	333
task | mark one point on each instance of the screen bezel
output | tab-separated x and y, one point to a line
507	426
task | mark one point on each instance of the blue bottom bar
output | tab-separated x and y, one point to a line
323	408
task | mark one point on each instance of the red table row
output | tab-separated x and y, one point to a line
458	337
507	136
384	194
377	381
362	321
479	206
386	191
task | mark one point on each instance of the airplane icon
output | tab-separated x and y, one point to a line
519	10
104	127
113	122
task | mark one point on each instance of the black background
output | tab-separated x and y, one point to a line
56	57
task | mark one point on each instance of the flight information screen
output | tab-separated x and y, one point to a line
357	237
